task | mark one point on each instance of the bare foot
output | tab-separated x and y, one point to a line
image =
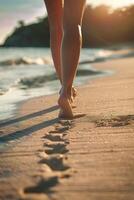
65	107
74	92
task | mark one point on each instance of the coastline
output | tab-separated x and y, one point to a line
54	155
12	93
12	113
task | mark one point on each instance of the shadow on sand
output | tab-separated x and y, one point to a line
26	117
27	131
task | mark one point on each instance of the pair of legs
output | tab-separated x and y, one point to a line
65	20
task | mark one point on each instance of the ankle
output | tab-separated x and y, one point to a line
64	92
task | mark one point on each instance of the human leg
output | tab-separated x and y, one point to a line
70	50
55	16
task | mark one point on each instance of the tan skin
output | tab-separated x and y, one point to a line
65	20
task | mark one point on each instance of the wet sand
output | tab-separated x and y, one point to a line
87	158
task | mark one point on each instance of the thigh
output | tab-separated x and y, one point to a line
55	11
73	12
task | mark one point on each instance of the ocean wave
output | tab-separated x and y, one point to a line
88	72
25	61
112	56
35	82
39	81
3	91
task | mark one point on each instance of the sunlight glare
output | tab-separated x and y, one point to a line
114	3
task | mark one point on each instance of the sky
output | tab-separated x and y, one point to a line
15	10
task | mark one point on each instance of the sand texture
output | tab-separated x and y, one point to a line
87	158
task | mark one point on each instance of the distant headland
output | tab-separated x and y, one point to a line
101	27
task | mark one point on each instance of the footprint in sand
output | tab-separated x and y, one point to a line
56	148
56	163
55	132
65	122
43	186
53	163
115	122
54	138
62	129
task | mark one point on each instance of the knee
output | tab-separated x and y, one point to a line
72	30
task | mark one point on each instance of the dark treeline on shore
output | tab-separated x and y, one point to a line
101	27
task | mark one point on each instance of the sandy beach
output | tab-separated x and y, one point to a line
87	158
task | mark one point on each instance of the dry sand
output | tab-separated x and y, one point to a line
87	158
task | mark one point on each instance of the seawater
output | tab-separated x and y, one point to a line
29	72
